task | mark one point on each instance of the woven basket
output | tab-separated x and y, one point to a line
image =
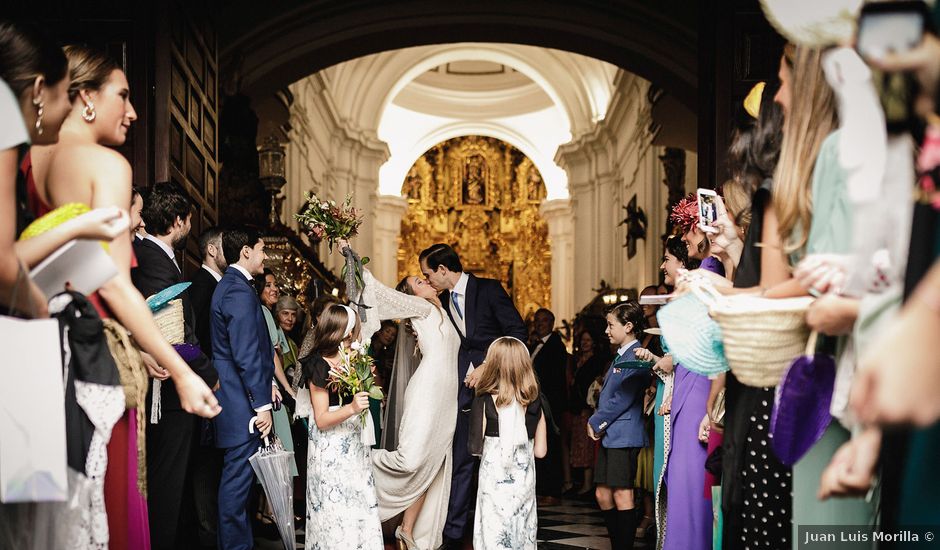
169	320
761	336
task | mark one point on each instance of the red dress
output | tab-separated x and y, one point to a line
128	527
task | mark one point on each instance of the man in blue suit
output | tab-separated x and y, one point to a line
244	359
482	311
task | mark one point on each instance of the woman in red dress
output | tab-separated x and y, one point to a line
83	168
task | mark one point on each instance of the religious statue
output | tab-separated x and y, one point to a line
474	180
534	184
412	187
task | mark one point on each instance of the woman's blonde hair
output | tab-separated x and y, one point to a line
508	374
811	119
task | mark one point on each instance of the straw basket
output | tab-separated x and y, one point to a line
761	336
169	320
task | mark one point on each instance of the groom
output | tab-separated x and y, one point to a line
482	312
244	358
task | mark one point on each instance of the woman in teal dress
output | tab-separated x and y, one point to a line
830	232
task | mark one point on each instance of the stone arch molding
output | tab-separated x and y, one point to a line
394	172
579	85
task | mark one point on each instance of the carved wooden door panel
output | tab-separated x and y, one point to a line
186	110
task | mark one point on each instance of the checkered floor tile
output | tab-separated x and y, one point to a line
571	525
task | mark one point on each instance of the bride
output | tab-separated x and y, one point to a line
415	478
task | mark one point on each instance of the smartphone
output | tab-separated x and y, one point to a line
890	27
707	209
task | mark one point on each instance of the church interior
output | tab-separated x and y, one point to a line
545	140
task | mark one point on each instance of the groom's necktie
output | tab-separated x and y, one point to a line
453	298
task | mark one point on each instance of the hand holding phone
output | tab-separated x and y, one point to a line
707	209
890	28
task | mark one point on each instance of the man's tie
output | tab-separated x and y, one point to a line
453	298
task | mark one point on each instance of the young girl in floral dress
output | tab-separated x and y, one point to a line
507	429
342	510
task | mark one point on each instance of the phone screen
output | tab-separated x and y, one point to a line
884	32
707	209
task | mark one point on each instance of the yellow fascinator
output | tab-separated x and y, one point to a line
56	218
753	99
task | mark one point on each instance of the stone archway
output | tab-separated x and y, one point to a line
482	196
270	49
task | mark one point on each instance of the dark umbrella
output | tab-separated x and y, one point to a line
272	465
801	409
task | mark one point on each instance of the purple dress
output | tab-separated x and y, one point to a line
688	512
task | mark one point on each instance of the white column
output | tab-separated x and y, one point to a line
559	216
389	210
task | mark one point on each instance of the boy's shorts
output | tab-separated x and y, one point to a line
616	468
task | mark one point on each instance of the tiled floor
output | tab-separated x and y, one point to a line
571	525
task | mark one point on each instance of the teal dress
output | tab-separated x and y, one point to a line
281	418
830	232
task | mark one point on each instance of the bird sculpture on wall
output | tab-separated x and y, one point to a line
636	226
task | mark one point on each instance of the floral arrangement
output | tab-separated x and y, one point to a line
327	219
685	213
354	373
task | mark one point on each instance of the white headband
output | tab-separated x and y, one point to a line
508	338
350	321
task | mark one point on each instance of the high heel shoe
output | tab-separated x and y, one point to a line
405	542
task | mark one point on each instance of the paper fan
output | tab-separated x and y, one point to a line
811	22
163	297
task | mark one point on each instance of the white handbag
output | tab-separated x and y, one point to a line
32	410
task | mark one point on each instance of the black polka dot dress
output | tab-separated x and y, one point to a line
766	485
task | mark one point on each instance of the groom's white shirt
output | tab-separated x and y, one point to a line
459	293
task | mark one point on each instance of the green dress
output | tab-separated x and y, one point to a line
281	419
830	232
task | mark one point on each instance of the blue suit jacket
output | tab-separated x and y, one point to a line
243	356
489	314
619	416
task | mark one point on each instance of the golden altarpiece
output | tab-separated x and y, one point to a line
482	196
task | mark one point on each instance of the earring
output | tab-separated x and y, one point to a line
88	113
39	105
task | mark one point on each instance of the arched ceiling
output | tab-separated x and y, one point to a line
271	45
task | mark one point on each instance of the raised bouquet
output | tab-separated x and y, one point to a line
354	374
322	218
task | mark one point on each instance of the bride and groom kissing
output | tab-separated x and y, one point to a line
427	480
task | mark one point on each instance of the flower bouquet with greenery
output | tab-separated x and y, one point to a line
322	218
354	374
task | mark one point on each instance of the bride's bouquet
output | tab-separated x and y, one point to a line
322	218
354	374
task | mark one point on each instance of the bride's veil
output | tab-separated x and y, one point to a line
407	358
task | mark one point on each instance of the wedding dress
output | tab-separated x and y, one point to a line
422	462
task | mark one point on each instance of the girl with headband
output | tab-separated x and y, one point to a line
338	461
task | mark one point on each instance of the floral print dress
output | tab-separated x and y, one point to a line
342	509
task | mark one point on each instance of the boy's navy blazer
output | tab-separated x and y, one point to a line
619	415
243	356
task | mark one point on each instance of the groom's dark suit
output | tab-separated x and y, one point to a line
244	357
488	314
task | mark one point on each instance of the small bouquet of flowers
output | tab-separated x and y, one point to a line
354	374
